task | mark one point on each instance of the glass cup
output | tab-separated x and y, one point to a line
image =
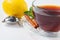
47	15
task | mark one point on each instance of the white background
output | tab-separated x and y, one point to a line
14	32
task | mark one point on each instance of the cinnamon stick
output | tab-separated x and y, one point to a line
31	21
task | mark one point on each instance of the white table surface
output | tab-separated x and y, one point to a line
14	32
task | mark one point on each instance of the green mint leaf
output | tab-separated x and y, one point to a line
27	12
31	9
30	13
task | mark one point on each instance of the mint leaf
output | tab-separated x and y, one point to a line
27	12
31	9
30	13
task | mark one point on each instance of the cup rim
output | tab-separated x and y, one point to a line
46	9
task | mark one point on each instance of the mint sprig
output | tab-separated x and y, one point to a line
30	13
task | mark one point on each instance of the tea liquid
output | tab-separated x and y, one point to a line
48	18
